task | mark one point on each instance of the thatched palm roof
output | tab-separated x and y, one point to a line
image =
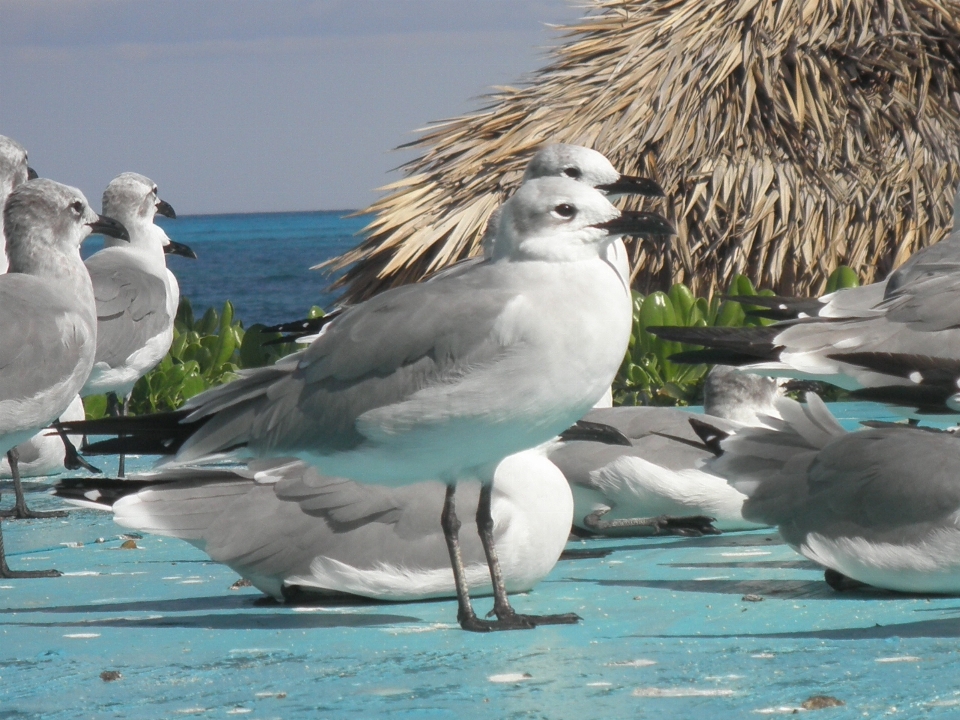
790	136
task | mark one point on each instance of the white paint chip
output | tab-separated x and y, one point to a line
82	636
510	677
780	710
681	692
641	662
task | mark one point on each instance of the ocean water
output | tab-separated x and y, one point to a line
259	261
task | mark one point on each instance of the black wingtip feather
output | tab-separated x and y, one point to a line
710	435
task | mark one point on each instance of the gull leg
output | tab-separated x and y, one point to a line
688	526
72	460
5	572
121	411
451	528
507	617
20	510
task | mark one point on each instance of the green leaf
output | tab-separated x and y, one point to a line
95	406
842	277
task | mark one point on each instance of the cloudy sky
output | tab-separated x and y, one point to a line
248	105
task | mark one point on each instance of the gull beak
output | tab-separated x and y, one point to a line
166	209
104	225
632	185
31	173
175	248
631	222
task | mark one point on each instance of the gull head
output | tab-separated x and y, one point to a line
589	167
558	219
731	393
14	169
43	217
132	199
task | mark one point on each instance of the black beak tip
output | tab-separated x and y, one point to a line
166	209
633	185
105	225
31	173
175	248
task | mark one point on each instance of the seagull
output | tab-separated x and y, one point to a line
863	301
137	296
14	171
442	379
48	326
878	506
914	315
291	531
575	162
653	482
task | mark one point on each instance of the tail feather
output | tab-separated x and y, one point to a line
778	307
756	343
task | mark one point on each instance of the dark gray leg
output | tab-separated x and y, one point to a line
690	526
119	409
20	510
508	618
72	460
5	572
451	528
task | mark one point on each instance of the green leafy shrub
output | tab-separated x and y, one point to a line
647	376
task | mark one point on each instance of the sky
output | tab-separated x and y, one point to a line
253	105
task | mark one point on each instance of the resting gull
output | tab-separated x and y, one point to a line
880	506
292	532
653	482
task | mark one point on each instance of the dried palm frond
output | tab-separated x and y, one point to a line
791	136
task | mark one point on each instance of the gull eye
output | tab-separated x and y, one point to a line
572	173
77	207
565	211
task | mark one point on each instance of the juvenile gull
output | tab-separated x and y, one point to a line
137	296
48	324
880	506
441	379
656	484
290	530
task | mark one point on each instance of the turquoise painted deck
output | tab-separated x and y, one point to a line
666	634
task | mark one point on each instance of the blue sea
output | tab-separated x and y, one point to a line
259	261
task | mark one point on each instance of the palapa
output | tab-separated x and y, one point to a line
790	136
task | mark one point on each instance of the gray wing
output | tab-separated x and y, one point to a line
276	529
888	477
375	355
41	340
642	422
131	305
662	436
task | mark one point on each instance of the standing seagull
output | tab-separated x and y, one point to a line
48	326
555	160
137	296
13	172
441	379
